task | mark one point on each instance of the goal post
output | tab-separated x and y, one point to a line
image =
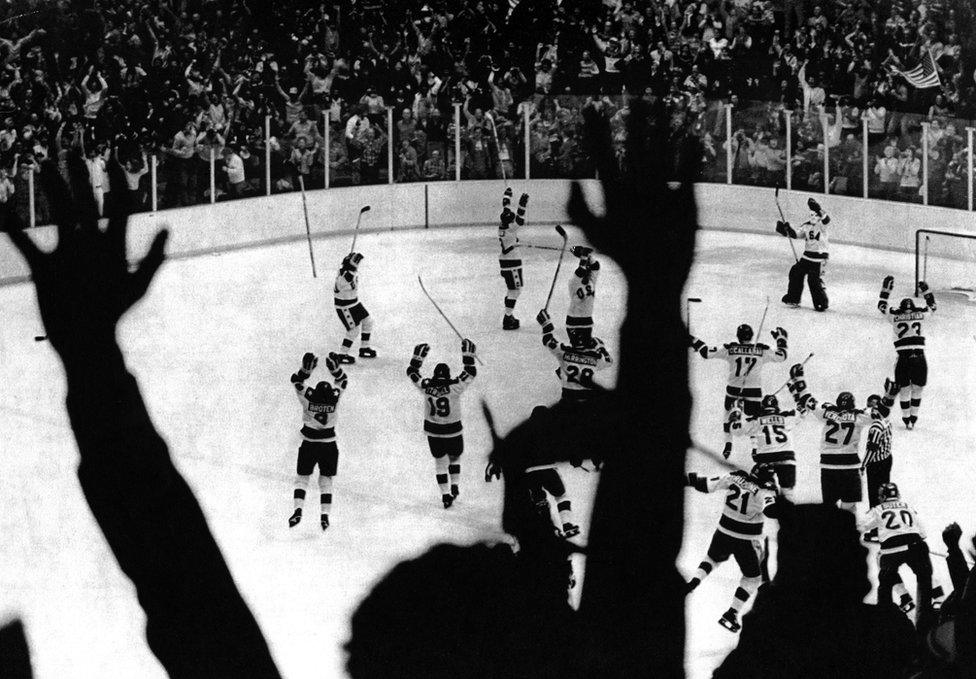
946	260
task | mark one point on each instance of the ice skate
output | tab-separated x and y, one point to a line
570	530
345	359
325	521
730	620
367	352
510	323
455	491
295	518
448	500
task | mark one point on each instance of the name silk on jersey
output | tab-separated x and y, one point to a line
897	524
582	295
742	515
746	362
908	330
318	419
773	437
840	437
346	290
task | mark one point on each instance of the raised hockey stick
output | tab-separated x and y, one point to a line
562	251
925	264
783	219
308	229
498	147
539	247
355	234
443	315
688	302
787	382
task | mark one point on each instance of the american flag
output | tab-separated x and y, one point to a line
925	74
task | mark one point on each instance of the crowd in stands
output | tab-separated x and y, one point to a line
186	79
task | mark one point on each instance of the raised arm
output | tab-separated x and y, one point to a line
413	370
197	624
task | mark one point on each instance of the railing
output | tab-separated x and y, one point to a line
842	151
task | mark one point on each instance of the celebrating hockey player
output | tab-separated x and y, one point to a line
318	447
840	463
813	263
355	319
739	534
582	291
442	414
902	541
578	363
772	432
541	476
509	260
745	359
911	368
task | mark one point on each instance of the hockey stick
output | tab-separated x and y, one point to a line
562	252
443	315
688	302
925	264
539	247
498	148
308	229
787	382
355	235
783	219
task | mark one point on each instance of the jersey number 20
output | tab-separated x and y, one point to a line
440	407
891	519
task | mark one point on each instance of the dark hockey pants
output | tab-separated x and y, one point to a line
812	271
877	473
917	558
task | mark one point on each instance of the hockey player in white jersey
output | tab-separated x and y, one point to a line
582	292
509	260
813	263
772	433
840	463
442	414
911	368
902	541
578	363
353	315
746	360
318	448
750	499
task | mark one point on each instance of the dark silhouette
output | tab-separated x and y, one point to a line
631	616
196	622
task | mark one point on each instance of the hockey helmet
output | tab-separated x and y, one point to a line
322	393
874	400
442	371
888	491
907	304
770	402
845	401
744	333
764	474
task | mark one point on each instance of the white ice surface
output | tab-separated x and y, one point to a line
213	346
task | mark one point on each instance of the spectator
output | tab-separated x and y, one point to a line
234	168
303	128
888	169
434	168
6	186
409	167
135	169
909	172
182	186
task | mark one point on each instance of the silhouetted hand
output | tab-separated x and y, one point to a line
650	205
85	286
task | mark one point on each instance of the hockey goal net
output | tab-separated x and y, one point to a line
946	260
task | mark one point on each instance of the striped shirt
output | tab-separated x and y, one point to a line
878	447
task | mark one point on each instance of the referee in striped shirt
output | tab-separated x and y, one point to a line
877	455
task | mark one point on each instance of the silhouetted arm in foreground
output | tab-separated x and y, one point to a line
197	624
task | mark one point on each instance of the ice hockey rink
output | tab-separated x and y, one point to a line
213	346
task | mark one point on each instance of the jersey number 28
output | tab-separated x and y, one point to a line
574	374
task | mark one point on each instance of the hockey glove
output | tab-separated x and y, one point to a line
699	346
355	258
507	197
523	201
887	285
891	388
580	251
923	288
309	361
735	416
783	228
814	207
420	351
520	216
332	363
468	347
594	266
779	334
543	318
796	371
